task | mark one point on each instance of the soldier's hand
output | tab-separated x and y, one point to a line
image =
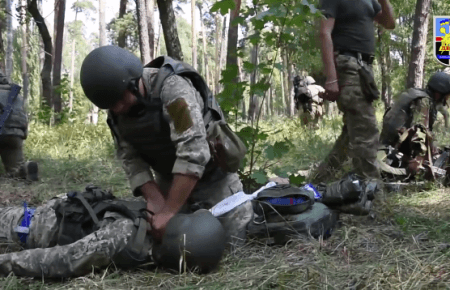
159	223
331	91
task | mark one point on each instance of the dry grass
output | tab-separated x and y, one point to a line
404	245
376	252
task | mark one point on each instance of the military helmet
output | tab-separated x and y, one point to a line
440	82
197	239
107	72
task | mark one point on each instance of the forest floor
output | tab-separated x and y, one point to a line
404	244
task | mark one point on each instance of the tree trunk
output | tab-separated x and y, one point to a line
217	70
291	106
158	42
241	78
169	26
143	31
286	82
101	23
194	36
24	48
72	66
205	54
233	37
223	43
9	41
122	33
150	7
57	106
47	40
418	44
253	106
272	112
2	47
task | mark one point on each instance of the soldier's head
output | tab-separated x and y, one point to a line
111	78
196	239
439	86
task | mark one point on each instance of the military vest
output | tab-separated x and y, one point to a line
17	123
79	215
147	130
400	115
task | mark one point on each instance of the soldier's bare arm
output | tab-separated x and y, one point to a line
331	85
386	16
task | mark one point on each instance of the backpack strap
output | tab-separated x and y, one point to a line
85	203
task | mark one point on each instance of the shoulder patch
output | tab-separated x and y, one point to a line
179	112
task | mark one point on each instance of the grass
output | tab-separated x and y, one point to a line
404	245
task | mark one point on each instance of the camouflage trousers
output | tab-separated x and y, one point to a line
359	136
11	151
212	189
43	258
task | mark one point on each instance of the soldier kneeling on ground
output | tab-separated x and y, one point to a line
407	138
13	132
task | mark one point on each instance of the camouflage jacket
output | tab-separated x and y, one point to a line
43	258
180	147
17	122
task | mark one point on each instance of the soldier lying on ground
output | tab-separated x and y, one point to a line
408	125
66	238
13	132
69	236
170	134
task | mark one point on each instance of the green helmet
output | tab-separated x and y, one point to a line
198	239
107	72
440	82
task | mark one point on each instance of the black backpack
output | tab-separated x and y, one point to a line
80	214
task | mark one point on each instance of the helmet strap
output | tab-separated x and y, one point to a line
135	89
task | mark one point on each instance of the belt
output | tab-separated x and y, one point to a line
368	58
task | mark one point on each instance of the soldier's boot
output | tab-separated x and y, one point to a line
29	171
341	195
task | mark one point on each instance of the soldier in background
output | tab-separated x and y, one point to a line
14	131
308	101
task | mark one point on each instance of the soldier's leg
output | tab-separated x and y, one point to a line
95	250
11	150
337	156
12	155
214	189
360	119
10	217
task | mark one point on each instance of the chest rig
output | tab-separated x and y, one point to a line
145	127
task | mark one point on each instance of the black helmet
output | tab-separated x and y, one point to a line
440	82
199	238
107	72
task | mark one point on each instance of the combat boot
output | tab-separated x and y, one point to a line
344	191
31	171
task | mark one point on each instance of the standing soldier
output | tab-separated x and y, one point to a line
348	47
13	132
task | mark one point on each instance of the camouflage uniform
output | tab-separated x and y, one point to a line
359	136
15	130
43	258
317	111
412	107
180	148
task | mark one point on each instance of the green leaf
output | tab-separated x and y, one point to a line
223	6
270	152
259	176
296	179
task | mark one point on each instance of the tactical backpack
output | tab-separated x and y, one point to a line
79	215
227	150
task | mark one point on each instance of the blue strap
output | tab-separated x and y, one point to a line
15	89
287	200
24	228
